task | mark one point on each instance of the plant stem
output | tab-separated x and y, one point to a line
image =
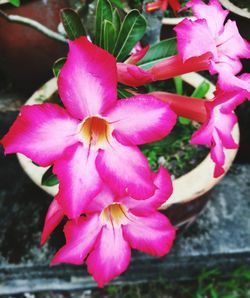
33	24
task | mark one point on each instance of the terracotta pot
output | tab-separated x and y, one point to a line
26	56
189	196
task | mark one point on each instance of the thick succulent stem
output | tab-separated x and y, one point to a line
33	24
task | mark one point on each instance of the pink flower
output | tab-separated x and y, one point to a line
93	141
112	226
208	34
216	131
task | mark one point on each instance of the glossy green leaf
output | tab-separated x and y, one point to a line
116	20
103	12
158	52
49	179
123	92
15	2
132	30
109	36
72	23
58	64
201	90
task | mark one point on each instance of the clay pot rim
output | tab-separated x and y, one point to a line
184	187
235	9
175	21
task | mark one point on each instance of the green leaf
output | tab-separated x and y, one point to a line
116	20
15	2
103	12
123	92
72	23
132	30
184	121
49	179
158	52
178	85
58	64
109	36
201	90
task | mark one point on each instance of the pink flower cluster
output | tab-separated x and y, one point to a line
207	43
106	188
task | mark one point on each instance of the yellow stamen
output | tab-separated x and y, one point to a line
115	214
95	131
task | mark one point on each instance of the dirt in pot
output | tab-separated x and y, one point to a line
174	152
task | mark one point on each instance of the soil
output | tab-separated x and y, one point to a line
174	152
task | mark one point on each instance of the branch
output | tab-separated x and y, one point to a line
33	24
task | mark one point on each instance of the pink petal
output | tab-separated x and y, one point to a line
145	207
80	239
203	135
53	218
225	128
79	179
42	133
87	81
217	155
152	234
231	44
224	64
104	198
194	39
133	75
229	83
137	56
141	119
125	169
110	256
213	13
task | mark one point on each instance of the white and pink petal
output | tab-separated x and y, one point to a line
81	235
126	171
53	217
79	181
152	234
87	81
110	256
42	133
141	119
163	182
194	39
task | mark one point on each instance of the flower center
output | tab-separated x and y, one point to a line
95	131
115	214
